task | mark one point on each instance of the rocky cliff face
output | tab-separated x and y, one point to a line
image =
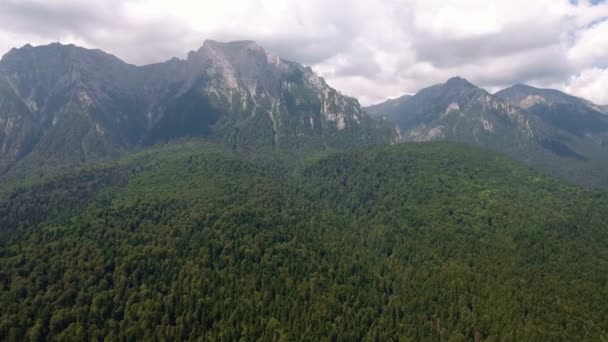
61	102
256	91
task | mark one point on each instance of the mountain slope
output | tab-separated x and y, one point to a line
565	139
262	100
459	111
187	241
576	123
387	106
72	103
68	104
526	96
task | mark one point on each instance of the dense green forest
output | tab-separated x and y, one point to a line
407	242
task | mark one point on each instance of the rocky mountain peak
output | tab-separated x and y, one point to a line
232	45
456	110
56	53
236	52
58	63
240	63
456	89
458	81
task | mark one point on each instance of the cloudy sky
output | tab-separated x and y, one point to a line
372	50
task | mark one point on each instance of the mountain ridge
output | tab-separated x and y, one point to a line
63	102
525	96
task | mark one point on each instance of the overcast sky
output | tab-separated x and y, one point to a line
370	49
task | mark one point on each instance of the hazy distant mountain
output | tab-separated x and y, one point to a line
559	133
63	103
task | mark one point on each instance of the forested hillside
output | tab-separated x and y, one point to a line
409	242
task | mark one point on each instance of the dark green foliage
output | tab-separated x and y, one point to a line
410	242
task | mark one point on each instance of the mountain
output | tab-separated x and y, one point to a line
190	241
527	96
62	104
558	133
575	123
63	101
387	106
565	112
459	111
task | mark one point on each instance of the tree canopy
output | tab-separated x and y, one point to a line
406	242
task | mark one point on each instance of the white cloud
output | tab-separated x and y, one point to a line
368	49
591	45
591	84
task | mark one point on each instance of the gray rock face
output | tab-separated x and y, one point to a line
63	103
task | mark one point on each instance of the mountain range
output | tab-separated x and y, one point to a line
235	196
65	104
61	105
561	134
